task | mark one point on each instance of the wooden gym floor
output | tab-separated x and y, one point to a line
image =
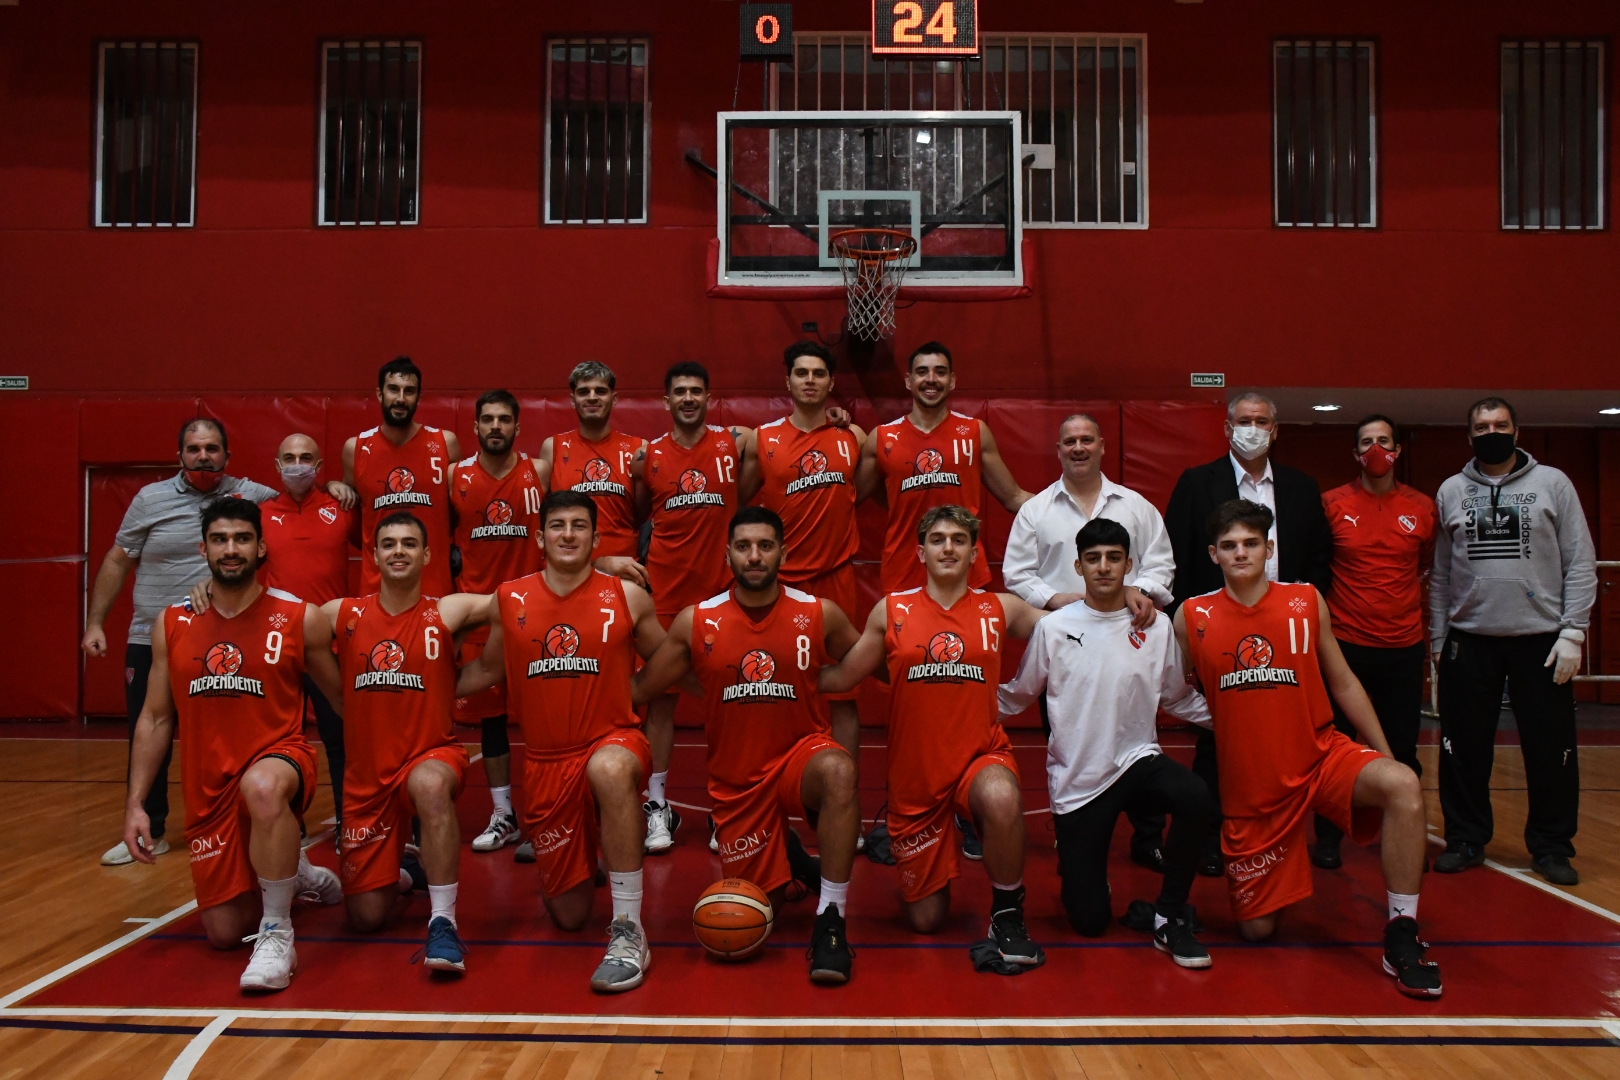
91	987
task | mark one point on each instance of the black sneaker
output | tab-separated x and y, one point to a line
1325	855
1176	938
1148	855
1139	916
1403	959
524	852
972	846
1459	857
1007	930
805	868
1213	865
1556	869
829	954
412	866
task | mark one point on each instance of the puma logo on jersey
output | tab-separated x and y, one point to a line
1204	611
520	597
1356	521
279	519
712	622
904	607
1080	641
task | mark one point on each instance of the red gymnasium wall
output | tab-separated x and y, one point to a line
254	297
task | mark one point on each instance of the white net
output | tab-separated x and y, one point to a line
873	262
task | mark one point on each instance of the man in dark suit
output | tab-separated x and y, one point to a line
1303	538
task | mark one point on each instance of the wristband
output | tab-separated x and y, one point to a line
1569	633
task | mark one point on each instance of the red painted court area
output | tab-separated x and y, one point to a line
1507	949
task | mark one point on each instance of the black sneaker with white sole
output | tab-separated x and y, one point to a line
972	846
1175	939
830	956
1404	959
1012	940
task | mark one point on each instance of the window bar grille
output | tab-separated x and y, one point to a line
596	136
147	118
1552	91
370	145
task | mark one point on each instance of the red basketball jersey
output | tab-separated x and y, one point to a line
808	479
694	494
399	680
602	471
1258	667
944	667
497	523
922	470
569	660
412	477
759	683
238	690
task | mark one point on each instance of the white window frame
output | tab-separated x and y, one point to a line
546	218
327	45
102	48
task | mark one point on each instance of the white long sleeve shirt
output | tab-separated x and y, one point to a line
1264	492
1039	561
1104	685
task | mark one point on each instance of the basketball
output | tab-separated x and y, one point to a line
1254	651
562	640
222	659
401	480
732	919
692	482
757	666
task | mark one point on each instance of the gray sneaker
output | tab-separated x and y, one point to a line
627	959
524	852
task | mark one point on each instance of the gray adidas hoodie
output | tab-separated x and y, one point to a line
1512	554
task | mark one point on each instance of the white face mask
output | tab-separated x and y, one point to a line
1250	442
298	479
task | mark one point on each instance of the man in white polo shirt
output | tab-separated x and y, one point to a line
1040	569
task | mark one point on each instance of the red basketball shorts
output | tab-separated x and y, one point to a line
752	826
218	837
558	812
923	844
377	826
488	702
1266	875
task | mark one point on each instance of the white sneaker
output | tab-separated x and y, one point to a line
118	854
627	959
317	883
714	836
662	821
274	958
500	831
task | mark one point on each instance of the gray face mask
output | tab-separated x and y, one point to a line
1250	442
298	479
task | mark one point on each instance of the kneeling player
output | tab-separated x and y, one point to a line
235	675
1105	682
1280	757
399	678
565	642
948	754
760	649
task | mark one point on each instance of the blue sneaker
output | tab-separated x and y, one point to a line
444	950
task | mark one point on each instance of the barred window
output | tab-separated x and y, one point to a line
1082	98
597	124
1325	134
146	133
1552	135
371	133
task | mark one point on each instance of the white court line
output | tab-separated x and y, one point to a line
476	757
91	957
138	919
1527	876
197	1047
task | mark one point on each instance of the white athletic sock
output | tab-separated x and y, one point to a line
834	892
502	798
405	884
656	784
443	899
278	898
1401	904
626	890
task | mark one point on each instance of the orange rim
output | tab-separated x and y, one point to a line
844	243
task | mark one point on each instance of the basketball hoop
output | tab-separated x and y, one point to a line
873	262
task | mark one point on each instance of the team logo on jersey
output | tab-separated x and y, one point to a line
399	490
944	664
692	488
813	473
328	515
1252	668
221	663
520	612
1407	522
928	470
802	621
382	669
1298	605
278	620
558	659
1136	638
597	479
756	673
497	524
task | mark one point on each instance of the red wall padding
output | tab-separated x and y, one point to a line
40	639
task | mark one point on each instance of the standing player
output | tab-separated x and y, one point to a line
770	753
403	465
495	504
397	654
688	482
566	644
932	457
595	460
1278	754
235	674
948	753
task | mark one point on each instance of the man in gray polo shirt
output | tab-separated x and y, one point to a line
158	540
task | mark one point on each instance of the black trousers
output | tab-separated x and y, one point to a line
1204	767
1393	679
330	726
1153	785
1472	670
1147	829
137	668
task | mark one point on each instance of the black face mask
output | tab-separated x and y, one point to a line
1493	447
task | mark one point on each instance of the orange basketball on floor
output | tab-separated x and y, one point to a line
732	919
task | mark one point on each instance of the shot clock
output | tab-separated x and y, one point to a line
925	28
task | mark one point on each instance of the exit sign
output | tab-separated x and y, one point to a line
1208	378
13	382
925	27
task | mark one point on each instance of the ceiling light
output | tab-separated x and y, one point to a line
1324	408
1610	411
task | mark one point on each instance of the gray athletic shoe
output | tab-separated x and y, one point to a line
627	959
524	852
118	854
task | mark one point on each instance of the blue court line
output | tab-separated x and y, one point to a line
1581	1042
